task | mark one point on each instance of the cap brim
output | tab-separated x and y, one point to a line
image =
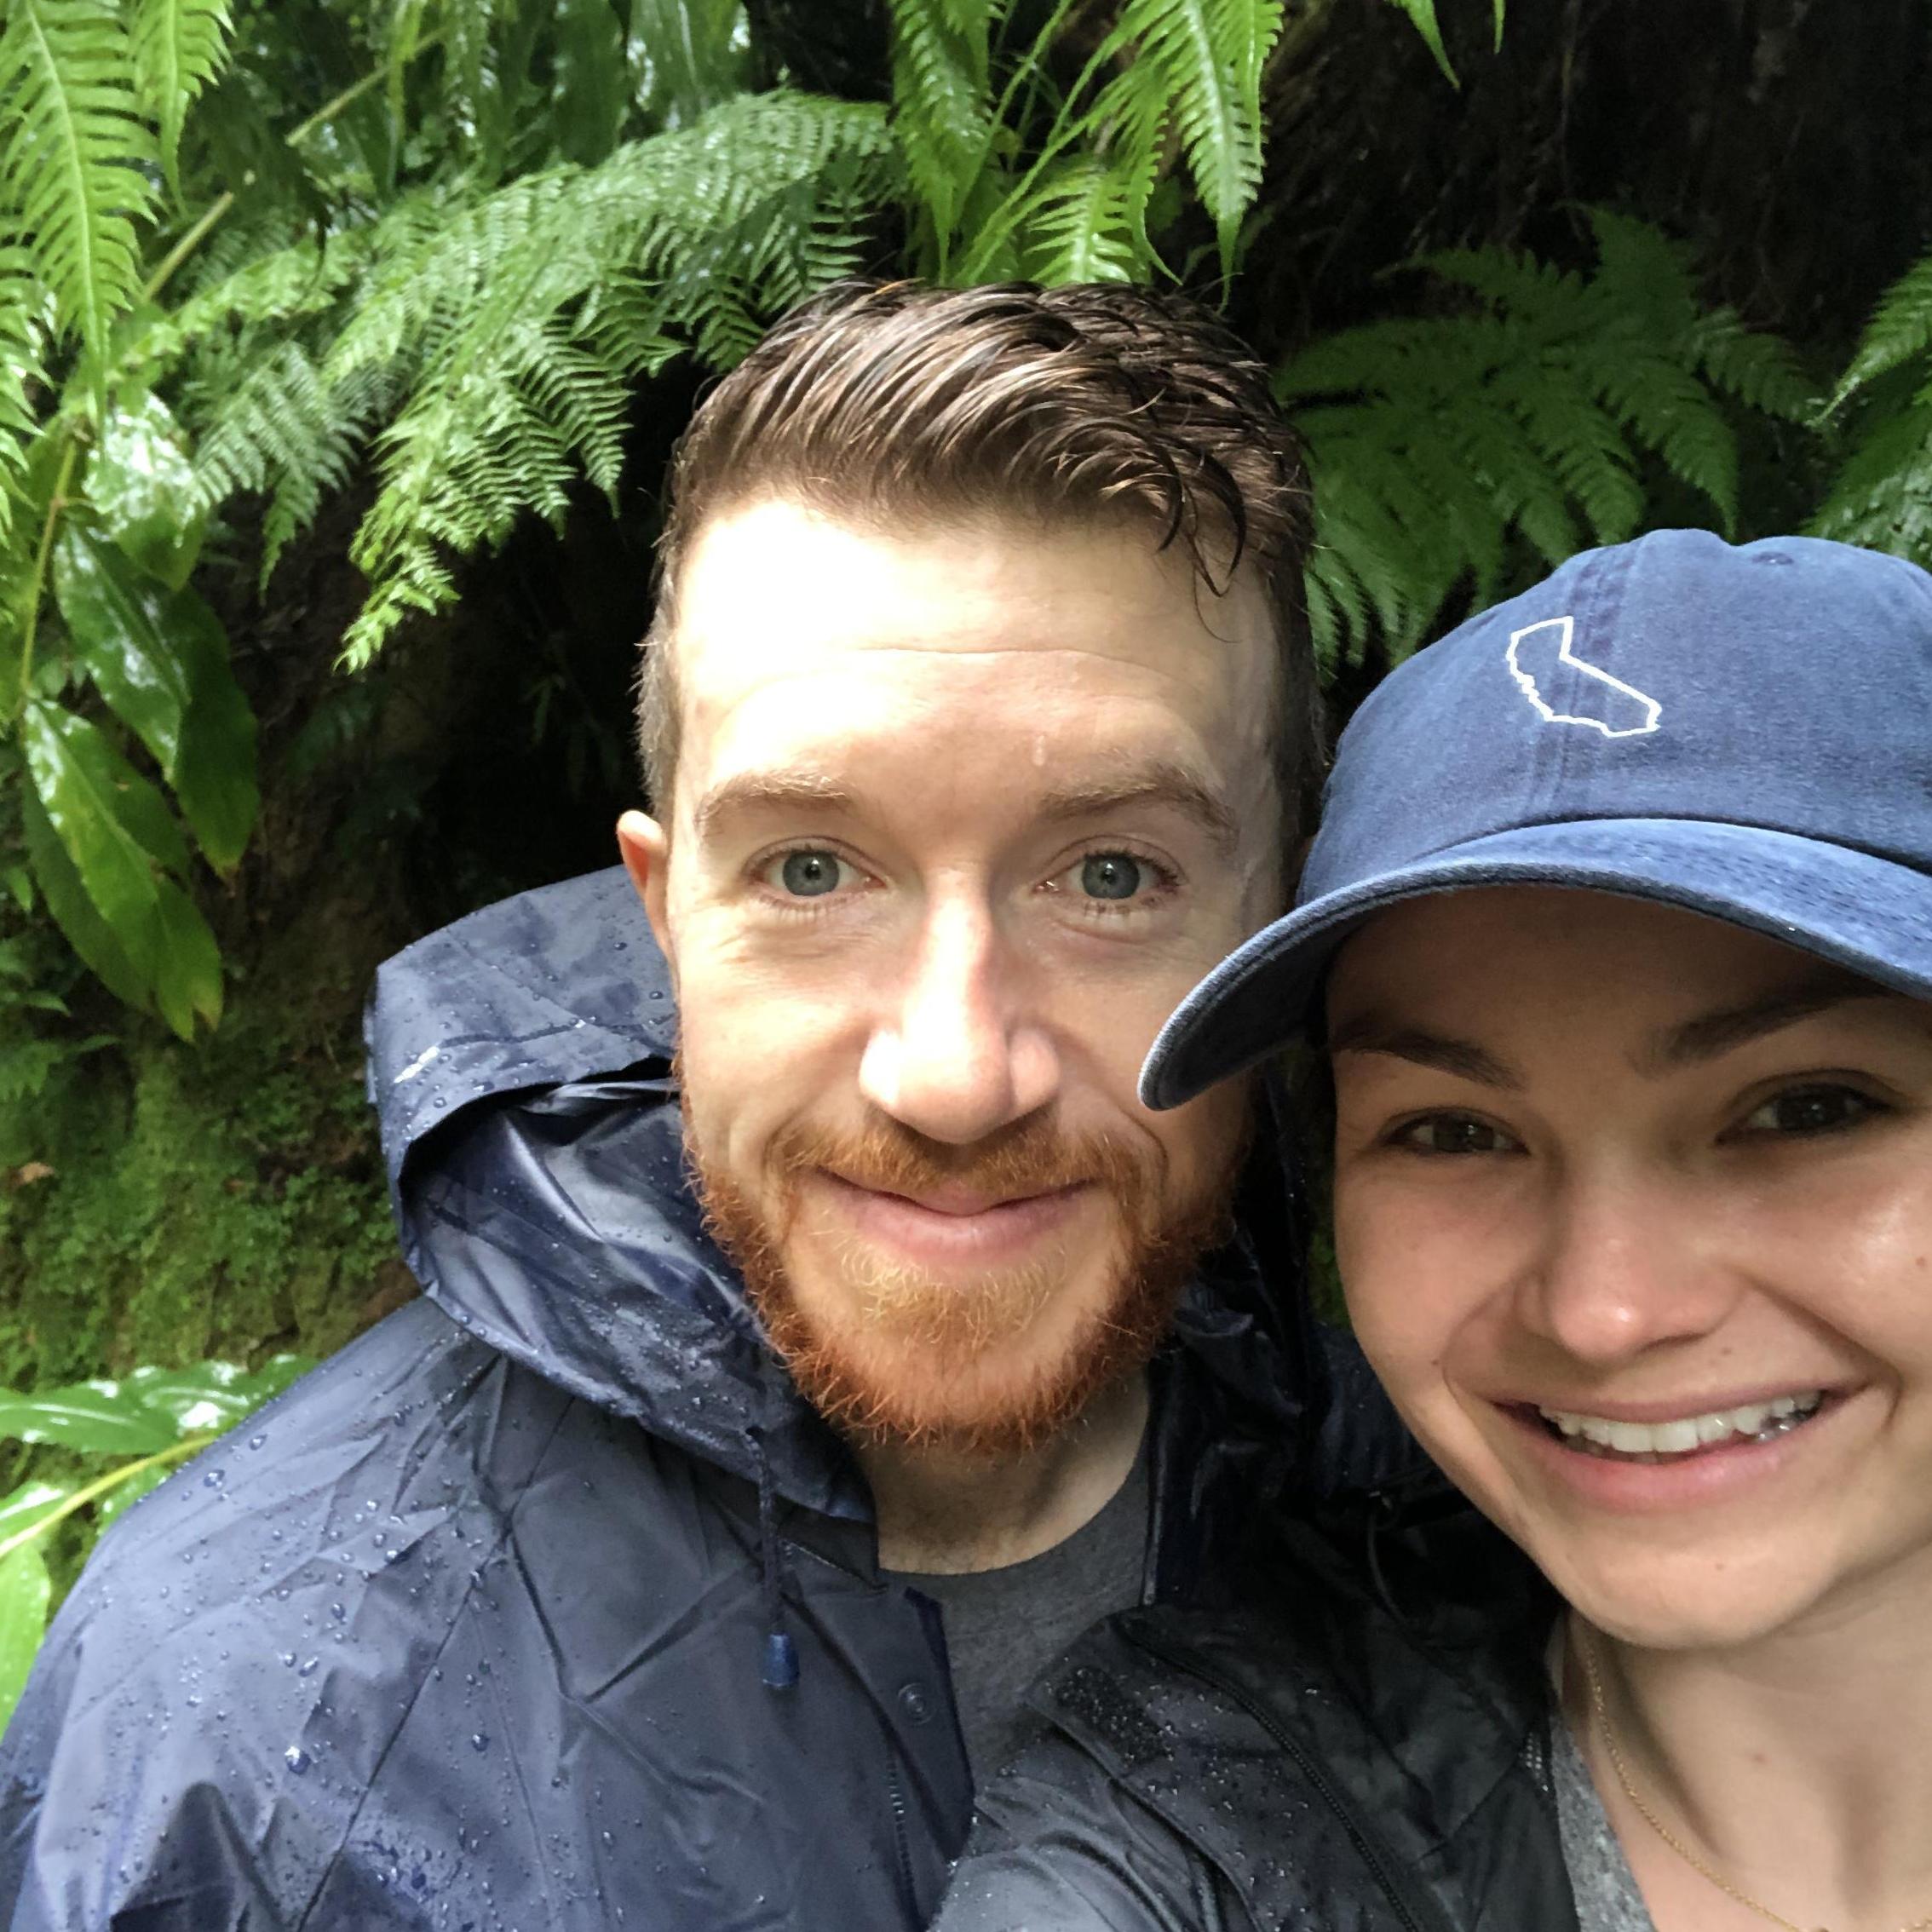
1871	915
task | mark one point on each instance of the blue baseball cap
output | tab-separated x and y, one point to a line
1743	731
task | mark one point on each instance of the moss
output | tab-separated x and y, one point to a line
220	1200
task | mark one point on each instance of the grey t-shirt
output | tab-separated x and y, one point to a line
1607	1898
1003	1627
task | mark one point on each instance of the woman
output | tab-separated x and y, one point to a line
1617	943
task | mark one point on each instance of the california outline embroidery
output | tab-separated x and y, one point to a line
1565	627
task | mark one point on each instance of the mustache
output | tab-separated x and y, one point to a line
1031	1157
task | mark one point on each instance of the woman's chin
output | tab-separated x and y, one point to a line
1688	1599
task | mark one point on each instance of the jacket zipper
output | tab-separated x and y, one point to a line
1415	1915
908	1891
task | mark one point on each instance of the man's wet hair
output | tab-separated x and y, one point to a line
882	402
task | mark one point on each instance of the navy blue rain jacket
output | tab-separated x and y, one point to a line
548	1603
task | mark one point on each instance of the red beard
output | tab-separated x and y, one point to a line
952	1386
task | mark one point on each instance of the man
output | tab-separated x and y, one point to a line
669	1564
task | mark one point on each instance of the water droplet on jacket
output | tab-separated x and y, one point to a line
478	1740
297	1760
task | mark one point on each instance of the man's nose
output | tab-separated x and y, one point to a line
956	1053
1626	1264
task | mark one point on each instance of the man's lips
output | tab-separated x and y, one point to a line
954	1201
950	1224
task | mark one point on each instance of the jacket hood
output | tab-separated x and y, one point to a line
520	1061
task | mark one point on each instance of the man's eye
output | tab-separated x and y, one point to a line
1817	1109
1453	1133
1102	881
1111	875
808	874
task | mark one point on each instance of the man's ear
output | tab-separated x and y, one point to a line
646	849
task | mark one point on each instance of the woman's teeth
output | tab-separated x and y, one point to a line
1758	1421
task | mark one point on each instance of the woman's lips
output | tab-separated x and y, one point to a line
1711	1472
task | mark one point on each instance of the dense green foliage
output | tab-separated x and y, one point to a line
465	261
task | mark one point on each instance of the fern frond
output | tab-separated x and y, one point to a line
1086	220
1900	329
179	47
942	115
1449	451
70	184
285	433
21	337
1201	62
1422	17
1882	495
525	320
1757	369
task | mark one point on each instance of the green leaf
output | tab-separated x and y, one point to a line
99	1417
74	912
25	1065
160	659
30	1506
179	47
71	147
1422	17
18	881
25	1593
942	112
1200	61
113	824
1900	329
213	1395
590	93
123	1496
142	485
687	56
82	784
187	984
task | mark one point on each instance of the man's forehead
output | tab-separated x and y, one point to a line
775	590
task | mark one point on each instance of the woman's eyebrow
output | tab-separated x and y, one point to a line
1723	1030
1369	1033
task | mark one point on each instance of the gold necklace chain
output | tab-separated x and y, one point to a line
1606	1731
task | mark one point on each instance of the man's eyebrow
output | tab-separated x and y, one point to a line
1157	784
1371	1034
1724	1030
770	791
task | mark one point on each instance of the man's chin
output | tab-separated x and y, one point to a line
904	1386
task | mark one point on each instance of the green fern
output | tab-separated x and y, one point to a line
943	109
1200	61
179	47
71	183
1088	221
20	375
524	322
1422	16
1899	333
1453	454
283	433
1881	495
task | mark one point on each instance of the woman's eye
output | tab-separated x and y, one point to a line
807	874
1453	1133
1811	1110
